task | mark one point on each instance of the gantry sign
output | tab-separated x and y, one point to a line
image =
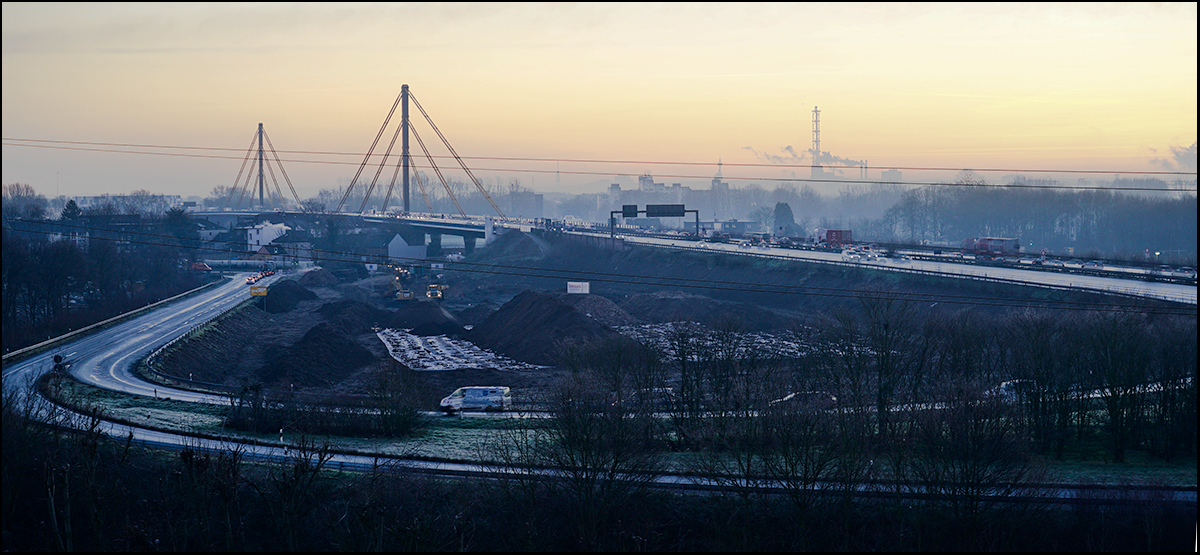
651	211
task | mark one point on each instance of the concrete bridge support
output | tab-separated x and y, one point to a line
435	244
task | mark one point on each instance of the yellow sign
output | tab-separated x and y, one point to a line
258	290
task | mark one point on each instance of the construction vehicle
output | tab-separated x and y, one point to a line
436	291
401	291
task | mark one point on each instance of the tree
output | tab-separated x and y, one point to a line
784	220
1120	355
603	450
22	201
890	330
71	211
763	215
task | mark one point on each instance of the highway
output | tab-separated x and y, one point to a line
1157	290
105	358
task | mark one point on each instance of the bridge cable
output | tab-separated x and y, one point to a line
458	158
421	185
369	152
281	170
438	171
382	163
234	188
278	192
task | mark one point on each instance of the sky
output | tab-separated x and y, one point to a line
1077	86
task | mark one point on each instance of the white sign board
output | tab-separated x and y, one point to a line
578	287
437	266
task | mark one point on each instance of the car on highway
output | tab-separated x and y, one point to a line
1185	272
1163	271
1093	265
1053	262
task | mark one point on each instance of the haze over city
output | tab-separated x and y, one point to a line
1069	87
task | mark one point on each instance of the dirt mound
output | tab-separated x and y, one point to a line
354	317
322	358
532	326
476	313
601	310
512	245
284	296
319	277
425	318
677	306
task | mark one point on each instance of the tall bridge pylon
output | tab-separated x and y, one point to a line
405	162
261	162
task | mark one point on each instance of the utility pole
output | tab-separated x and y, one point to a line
404	144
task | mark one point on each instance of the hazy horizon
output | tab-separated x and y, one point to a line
1096	87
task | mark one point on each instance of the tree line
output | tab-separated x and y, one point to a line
82	267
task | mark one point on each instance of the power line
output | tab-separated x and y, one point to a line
633	279
650	162
682	176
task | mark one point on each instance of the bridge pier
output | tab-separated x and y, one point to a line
468	245
435	244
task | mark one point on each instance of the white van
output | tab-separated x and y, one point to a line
478	397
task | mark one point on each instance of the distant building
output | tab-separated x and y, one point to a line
525	204
402	252
263	234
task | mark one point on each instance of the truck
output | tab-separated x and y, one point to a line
993	246
436	291
837	237
487	398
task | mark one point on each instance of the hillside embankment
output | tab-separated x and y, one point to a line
318	333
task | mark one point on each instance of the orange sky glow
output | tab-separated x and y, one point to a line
1058	86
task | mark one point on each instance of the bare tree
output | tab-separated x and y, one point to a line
601	451
1118	350
971	457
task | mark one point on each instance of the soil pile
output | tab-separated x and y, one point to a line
319	277
677	306
511	245
285	295
476	313
322	358
601	310
532	326
425	318
354	317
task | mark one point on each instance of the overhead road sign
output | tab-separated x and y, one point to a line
664	211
